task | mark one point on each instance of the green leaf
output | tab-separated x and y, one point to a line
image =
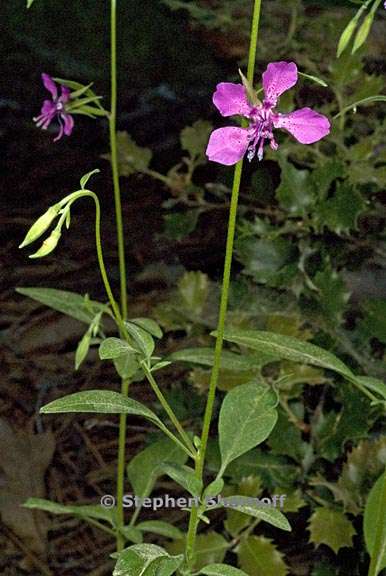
146	467
29	3
346	36
295	192
374	523
193	288
70	303
131	157
373	324
363	32
325	174
236	521
340	212
314	79
161	528
127	365
100	402
132	534
288	348
194	138
178	225
81	511
266	513
86	177
205	357
184	476
258	556
332	528
82	349
354	105
149	325
146	560
221	570
373	384
286	438
142	338
214	488
113	347
247	416
272	469
210	548
333	294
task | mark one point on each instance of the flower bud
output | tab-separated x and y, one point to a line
40	226
48	245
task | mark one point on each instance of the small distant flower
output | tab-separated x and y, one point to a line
55	108
228	145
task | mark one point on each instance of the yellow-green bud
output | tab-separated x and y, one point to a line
40	226
48	245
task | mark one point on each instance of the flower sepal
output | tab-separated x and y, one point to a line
41	225
48	245
251	92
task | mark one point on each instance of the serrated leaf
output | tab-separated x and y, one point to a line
373	324
205	357
374	524
340	212
295	192
80	511
184	476
258	556
113	347
266	513
194	138
210	548
332	528
146	560
286	438
221	570
70	303
247	416
161	528
146	466
333	294
286	347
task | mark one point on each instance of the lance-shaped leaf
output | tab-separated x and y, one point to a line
75	305
205	357
374	524
247	417
288	348
184	476
221	570
146	560
146	466
161	528
258	510
81	511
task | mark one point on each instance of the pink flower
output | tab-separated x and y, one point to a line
55	108
228	145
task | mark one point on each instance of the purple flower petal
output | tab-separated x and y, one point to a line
50	85
304	124
278	77
68	122
227	145
231	99
65	94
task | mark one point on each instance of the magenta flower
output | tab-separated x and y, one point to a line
55	108
228	145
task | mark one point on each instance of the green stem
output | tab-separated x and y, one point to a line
169	411
194	515
114	158
121	255
380	542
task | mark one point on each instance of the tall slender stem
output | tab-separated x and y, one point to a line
122	262
114	159
194	515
